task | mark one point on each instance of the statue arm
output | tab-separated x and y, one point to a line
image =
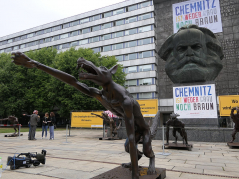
97	115
232	114
21	59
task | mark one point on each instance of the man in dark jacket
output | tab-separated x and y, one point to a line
34	118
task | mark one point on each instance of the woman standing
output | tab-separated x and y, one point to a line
51	123
44	124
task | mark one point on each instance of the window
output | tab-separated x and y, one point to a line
144	16
40	32
117	46
131	8
65	45
47	30
85	30
144	29
56	28
118	11
119	58
41	41
106	37
106	48
132	56
129	20
118	34
93	18
145	54
107	14
63	36
4	42
22	46
30	35
30	44
120	22
17	39
107	25
145	95
9	40
56	38
132	69
144	41
131	83
1	51
73	44
8	49
82	21
66	25
96	50
74	23
48	39
134	95
144	4
82	42
94	39
131	44
130	32
95	28
145	68
74	33
16	48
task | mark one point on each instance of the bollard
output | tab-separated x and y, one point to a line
162	153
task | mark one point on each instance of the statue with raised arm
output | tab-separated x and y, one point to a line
178	126
113	97
235	119
13	121
111	122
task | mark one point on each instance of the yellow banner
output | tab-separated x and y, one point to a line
86	119
149	107
226	103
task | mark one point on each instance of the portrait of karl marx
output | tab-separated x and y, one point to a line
193	54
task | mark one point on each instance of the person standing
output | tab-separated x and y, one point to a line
44	124
34	118
51	122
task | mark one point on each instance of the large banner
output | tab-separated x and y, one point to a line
86	119
149	107
198	101
204	13
226	103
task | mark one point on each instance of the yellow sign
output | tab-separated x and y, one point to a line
226	103
86	119
149	107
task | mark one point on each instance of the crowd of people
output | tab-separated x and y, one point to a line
48	121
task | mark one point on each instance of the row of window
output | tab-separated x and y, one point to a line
139	82
133	56
85	20
142	68
148	95
82	42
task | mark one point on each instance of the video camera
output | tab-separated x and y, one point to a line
25	159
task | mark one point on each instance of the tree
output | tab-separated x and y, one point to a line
23	89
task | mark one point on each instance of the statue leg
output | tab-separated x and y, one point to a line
15	129
126	145
174	135
148	152
111	129
184	135
233	135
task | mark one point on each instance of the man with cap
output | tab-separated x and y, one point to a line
34	118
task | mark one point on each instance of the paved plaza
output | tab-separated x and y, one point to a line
84	156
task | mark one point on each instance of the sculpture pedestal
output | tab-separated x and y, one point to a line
125	173
109	138
179	146
233	145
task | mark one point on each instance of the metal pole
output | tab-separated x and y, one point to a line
163	138
66	131
104	131
19	129
162	153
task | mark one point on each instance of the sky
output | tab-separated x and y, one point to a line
19	15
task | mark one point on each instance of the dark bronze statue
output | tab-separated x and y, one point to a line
113	97
235	119
111	122
193	54
178	126
13	121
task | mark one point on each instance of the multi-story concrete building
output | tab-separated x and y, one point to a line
124	30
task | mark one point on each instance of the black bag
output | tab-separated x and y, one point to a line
54	126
